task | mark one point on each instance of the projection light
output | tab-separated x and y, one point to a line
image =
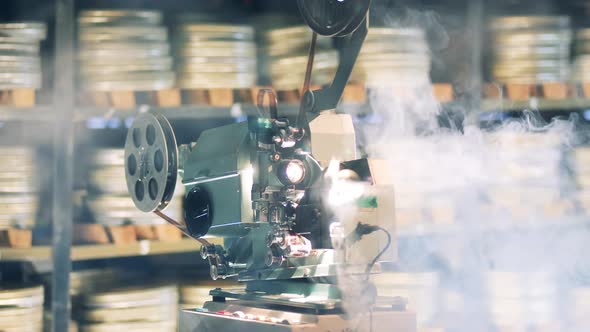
292	172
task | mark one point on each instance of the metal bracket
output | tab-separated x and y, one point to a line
349	49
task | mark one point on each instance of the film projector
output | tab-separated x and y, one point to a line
303	222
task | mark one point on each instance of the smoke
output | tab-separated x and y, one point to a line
485	211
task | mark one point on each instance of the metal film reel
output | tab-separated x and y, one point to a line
334	17
151	162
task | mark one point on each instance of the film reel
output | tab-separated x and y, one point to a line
334	18
151	162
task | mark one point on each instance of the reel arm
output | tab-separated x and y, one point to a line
346	21
328	98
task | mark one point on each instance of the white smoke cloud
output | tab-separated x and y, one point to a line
468	182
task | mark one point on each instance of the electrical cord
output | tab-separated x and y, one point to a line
371	320
387	245
365	229
370	267
359	232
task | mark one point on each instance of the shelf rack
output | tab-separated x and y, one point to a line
568	223
538	104
32	114
196	112
62	253
63	165
90	252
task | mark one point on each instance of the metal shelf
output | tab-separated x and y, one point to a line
90	252
27	114
46	114
181	112
204	112
148	248
490	226
539	104
194	112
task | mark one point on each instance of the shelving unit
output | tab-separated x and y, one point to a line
90	252
34	114
493	226
538	104
183	112
63	164
203	112
64	116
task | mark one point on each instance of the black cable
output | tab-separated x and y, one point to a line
365	229
370	266
360	231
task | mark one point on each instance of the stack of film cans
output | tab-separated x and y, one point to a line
288	49
149	308
195	294
21	309
210	56
581	65
109	200
263	23
523	301
20	60
391	55
89	281
423	198
579	304
48	320
420	289
93	280
581	165
531	49
527	167
18	188
124	50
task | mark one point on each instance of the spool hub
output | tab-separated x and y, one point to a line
334	18
151	162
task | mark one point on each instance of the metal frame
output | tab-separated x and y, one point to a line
476	24
63	165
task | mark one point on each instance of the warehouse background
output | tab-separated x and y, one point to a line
506	251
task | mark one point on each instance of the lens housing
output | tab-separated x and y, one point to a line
291	172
